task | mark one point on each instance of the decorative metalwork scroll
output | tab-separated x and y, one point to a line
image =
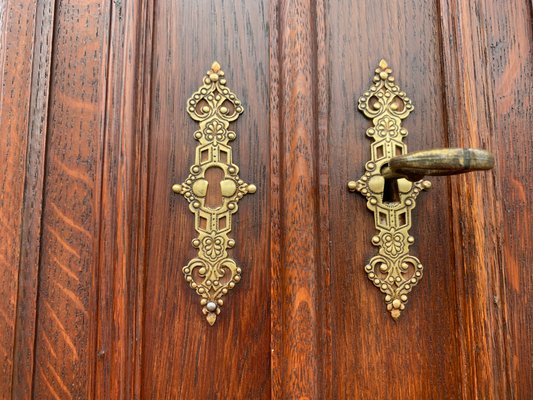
212	274
393	270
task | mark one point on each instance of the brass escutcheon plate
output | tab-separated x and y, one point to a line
212	273
393	270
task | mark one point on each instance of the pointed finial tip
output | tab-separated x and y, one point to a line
215	67
211	318
395	314
383	63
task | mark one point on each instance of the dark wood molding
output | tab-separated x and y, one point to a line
296	353
30	249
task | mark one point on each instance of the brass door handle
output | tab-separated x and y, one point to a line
393	180
414	166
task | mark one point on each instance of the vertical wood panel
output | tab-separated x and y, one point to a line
276	306
142	129
120	273
373	356
17	22
33	198
326	312
94	132
488	64
67	303
114	338
184	357
296	353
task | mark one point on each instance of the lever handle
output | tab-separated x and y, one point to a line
414	166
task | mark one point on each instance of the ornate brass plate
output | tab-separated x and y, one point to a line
393	270
212	274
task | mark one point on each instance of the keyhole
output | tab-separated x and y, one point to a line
391	194
213	197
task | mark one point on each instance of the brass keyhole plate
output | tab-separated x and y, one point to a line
393	270
213	190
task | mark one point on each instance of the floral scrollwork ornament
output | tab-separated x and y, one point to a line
212	274
392	270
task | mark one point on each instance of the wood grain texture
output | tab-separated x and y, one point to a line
141	128
94	132
182	356
24	350
67	315
276	306
419	355
122	242
296	351
17	21
116	274
488	64
324	232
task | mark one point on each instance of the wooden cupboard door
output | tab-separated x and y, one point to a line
176	339
466	67
94	133
54	58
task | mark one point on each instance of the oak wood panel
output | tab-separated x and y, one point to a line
17	21
123	206
115	318
295	351
142	128
67	316
33	201
114	345
373	356
276	307
184	357
488	64
325	310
